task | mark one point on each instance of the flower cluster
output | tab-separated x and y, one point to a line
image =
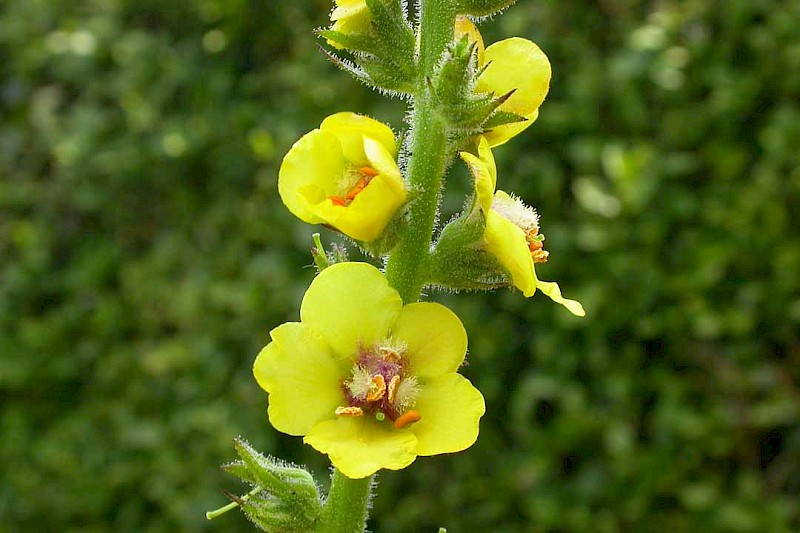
365	379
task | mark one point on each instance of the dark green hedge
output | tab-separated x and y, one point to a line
145	255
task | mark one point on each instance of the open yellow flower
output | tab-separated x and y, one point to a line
366	380
511	64
512	230
344	174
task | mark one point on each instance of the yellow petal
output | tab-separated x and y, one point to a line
507	243
361	446
515	64
451	408
551	289
384	161
351	16
302	378
436	340
348	304
367	215
310	172
351	129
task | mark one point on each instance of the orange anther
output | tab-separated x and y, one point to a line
540	256
349	411
535	245
357	188
369	171
376	389
392	388
337	200
409	417
390	355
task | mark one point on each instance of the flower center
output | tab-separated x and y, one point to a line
380	384
527	219
363	176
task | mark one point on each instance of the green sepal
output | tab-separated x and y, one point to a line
285	497
501	118
459	260
452	86
482	8
383	57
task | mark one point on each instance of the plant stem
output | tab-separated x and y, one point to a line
345	510
408	264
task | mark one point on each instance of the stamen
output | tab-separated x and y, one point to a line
369	171
409	417
392	389
357	188
376	389
540	256
349	411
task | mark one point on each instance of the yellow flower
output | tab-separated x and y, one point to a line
366	380
351	17
512	230
511	64
344	174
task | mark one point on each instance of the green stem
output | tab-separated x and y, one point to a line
346	508
408	264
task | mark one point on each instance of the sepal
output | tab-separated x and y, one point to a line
459	260
465	111
482	8
382	53
285	497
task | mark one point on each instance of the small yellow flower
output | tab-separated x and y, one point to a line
512	230
366	380
344	174
511	64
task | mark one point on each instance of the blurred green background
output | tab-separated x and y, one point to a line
145	255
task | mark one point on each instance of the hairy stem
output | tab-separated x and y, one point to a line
347	506
408	264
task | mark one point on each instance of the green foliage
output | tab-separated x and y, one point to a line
145	256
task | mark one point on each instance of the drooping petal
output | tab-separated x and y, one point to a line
351	129
551	289
348	304
515	64
302	378
451	409
310	172
507	243
436	339
361	446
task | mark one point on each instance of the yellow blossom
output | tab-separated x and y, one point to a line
512	230
513	64
366	380
344	174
